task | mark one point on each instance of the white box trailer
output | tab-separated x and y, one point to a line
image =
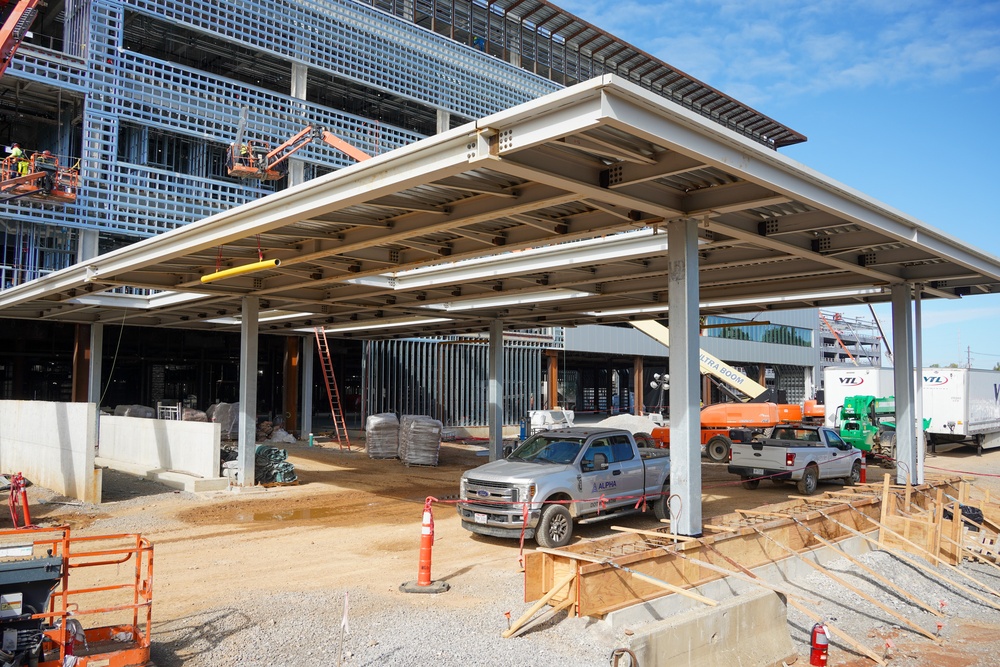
839	383
963	405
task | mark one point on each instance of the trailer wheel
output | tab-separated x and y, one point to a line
855	477
718	449
555	528
810	480
750	484
661	506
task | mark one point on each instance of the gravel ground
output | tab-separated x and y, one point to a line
238	624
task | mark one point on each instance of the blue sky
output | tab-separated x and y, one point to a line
899	99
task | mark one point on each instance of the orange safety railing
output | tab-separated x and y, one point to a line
120	643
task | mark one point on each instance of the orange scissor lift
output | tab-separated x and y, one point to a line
102	620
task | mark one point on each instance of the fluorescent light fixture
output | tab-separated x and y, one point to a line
510	300
745	301
140	301
628	311
626	245
794	296
379	324
263	316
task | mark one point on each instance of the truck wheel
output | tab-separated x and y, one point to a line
810	481
718	449
661	506
555	528
750	484
888	448
855	477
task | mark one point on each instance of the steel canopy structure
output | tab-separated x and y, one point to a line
548	214
600	203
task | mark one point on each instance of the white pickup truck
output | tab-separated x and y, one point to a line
800	453
578	474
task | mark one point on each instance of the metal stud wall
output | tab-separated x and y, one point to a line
447	379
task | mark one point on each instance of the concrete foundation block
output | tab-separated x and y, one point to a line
749	630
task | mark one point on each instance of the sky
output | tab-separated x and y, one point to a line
899	99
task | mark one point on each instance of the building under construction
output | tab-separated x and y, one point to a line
147	106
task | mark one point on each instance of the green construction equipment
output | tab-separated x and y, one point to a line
868	423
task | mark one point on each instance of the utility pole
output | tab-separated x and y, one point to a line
968	357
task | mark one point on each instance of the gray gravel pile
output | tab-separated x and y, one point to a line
871	626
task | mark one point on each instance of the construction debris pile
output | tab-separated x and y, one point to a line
414	439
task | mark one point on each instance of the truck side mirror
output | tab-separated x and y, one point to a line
507	450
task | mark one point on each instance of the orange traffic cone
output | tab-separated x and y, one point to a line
423	584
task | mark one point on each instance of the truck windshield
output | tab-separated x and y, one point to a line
548	449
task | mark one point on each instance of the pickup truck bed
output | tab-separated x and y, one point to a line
801	453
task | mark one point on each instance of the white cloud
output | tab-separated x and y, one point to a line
778	47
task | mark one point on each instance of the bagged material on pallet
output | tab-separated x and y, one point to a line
142	411
419	440
192	415
382	435
281	436
227	415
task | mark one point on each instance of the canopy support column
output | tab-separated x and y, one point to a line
685	418
902	340
248	390
495	399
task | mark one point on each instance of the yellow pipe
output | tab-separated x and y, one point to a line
240	270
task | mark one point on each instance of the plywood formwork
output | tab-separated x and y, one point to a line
745	539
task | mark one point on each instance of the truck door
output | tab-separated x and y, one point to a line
601	475
841	459
632	480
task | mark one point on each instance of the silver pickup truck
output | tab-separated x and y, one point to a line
562	476
801	453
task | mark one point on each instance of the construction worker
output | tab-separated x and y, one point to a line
48	164
20	159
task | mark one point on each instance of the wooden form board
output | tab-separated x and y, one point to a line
602	588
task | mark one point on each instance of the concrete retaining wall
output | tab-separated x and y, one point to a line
53	445
161	447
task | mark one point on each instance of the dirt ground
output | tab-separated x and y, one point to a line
355	522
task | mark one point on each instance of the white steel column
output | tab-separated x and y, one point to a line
308	356
918	402
685	418
248	390
495	398
902	340
96	359
443	121
296	168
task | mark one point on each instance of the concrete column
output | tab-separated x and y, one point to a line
638	386
902	341
248	390
87	244
495	399
685	418
918	395
443	121
300	77
290	390
308	356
